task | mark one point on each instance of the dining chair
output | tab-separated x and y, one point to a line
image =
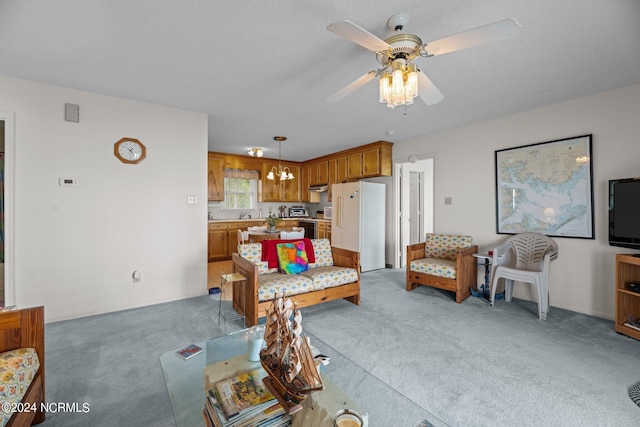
292	234
525	258
243	236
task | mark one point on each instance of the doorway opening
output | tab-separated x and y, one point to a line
415	201
7	150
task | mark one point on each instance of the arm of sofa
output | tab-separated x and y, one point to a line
245	296
21	329
346	258
467	266
415	251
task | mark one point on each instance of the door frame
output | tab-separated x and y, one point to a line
401	170
9	206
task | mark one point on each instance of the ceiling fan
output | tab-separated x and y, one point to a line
399	78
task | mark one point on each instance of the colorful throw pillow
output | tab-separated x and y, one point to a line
292	257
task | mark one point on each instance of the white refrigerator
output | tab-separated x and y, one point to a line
358	221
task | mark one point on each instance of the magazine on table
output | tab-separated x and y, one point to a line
243	400
189	351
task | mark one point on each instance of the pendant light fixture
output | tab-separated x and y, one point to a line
280	173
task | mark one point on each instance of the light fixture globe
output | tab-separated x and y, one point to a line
256	152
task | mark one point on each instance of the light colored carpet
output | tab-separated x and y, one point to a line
469	364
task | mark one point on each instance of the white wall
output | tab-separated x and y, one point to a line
76	248
582	279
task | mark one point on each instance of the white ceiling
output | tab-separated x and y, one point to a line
260	68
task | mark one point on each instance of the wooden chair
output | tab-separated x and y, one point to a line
443	261
25	329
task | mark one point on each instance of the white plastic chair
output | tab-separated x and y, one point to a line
524	258
292	234
243	237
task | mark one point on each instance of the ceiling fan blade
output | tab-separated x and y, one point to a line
427	91
358	35
500	30
353	86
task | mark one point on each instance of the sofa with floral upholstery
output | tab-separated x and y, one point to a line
22	366
333	274
443	261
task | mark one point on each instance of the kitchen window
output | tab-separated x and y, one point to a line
240	189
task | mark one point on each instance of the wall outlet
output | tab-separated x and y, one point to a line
192	200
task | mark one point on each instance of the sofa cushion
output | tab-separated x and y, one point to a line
272	284
329	276
322	252
445	246
253	253
292	257
17	369
435	267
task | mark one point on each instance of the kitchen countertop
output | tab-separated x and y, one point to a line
260	219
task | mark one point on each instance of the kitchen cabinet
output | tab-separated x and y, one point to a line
218	246
280	191
304	184
321	229
337	172
215	179
354	165
319	172
371	160
290	190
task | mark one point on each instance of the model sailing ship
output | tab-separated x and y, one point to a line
287	357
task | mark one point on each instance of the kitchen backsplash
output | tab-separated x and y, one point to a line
216	211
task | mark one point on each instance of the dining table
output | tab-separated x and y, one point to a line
259	236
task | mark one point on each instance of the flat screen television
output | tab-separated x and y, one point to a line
624	212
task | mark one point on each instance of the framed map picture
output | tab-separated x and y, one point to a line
546	188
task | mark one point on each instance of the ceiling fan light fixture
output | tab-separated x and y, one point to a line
385	87
399	87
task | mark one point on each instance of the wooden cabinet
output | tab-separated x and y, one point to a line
215	179
372	160
290	190
323	230
627	301
304	184
319	172
280	191
218	246
354	165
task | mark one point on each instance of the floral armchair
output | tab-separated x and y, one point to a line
443	261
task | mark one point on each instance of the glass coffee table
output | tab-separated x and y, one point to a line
383	405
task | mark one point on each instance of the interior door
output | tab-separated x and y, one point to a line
415	206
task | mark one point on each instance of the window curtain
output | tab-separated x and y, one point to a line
239	173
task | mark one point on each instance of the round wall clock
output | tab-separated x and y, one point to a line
130	150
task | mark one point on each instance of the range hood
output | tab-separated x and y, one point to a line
318	188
